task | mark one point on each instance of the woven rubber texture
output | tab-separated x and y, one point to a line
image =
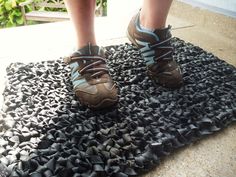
44	131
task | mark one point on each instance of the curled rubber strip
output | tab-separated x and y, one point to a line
46	132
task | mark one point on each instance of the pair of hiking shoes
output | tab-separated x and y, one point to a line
92	83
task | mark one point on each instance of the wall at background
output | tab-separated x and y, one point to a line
226	7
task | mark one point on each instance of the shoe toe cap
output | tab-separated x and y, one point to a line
171	79
105	96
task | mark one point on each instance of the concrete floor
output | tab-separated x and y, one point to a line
215	33
213	156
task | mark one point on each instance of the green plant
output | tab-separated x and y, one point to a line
10	13
104	5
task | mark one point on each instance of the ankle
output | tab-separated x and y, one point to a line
83	43
78	47
151	23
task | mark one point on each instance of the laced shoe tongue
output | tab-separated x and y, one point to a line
163	35
94	63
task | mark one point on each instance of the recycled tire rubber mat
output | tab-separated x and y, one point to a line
46	132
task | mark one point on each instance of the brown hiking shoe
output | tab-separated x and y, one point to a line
157	52
92	83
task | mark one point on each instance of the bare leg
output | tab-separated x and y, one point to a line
154	13
82	14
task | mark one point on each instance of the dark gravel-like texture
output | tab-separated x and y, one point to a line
45	132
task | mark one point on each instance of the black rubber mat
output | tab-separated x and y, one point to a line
45	132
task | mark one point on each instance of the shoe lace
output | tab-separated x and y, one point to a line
163	45
95	66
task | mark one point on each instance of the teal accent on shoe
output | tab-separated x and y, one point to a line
144	30
149	53
75	75
149	60
78	82
74	66
145	45
146	52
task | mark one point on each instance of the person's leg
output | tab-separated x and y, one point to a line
147	30
92	83
82	14
154	13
